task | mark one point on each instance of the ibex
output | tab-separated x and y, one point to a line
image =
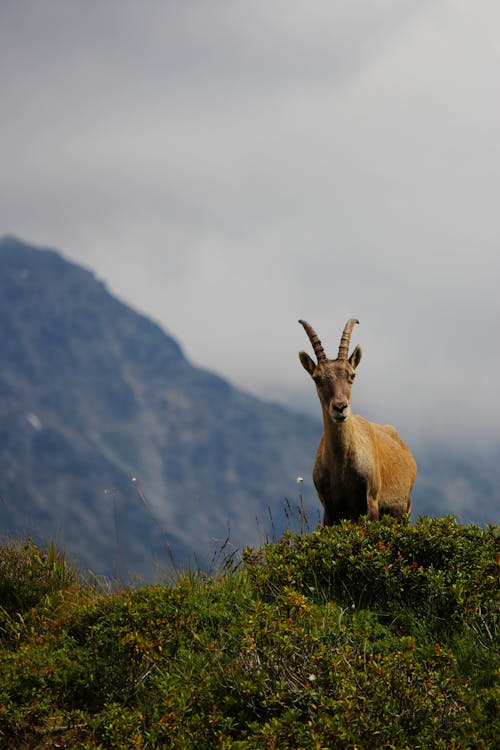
361	467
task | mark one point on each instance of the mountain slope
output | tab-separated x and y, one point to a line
93	394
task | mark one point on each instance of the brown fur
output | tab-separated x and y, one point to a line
361	467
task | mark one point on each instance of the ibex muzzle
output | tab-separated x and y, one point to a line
361	467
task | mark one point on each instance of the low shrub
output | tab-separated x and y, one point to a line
359	636
437	570
29	574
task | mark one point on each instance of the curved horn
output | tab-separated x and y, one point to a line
314	339
346	338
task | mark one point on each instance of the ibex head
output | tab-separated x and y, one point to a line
333	377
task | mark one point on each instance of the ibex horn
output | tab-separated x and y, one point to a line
314	339
346	338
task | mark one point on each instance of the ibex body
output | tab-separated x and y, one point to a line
361	467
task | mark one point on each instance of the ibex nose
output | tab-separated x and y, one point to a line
340	406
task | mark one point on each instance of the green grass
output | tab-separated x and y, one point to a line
367	635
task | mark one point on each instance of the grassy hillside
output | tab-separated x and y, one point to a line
359	636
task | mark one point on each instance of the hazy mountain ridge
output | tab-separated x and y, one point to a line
93	394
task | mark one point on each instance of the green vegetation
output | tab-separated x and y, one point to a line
367	635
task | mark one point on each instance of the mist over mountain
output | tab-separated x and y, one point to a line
93	394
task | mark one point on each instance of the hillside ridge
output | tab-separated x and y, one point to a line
369	635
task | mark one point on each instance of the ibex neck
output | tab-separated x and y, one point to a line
339	436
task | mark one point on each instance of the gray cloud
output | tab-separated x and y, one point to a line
229	167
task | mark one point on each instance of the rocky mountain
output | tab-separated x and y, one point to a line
92	395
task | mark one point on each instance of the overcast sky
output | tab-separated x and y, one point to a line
230	166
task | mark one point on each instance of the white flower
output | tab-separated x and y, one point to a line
312	678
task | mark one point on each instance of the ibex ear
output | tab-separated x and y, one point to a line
307	363
355	357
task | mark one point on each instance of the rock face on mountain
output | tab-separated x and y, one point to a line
93	394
